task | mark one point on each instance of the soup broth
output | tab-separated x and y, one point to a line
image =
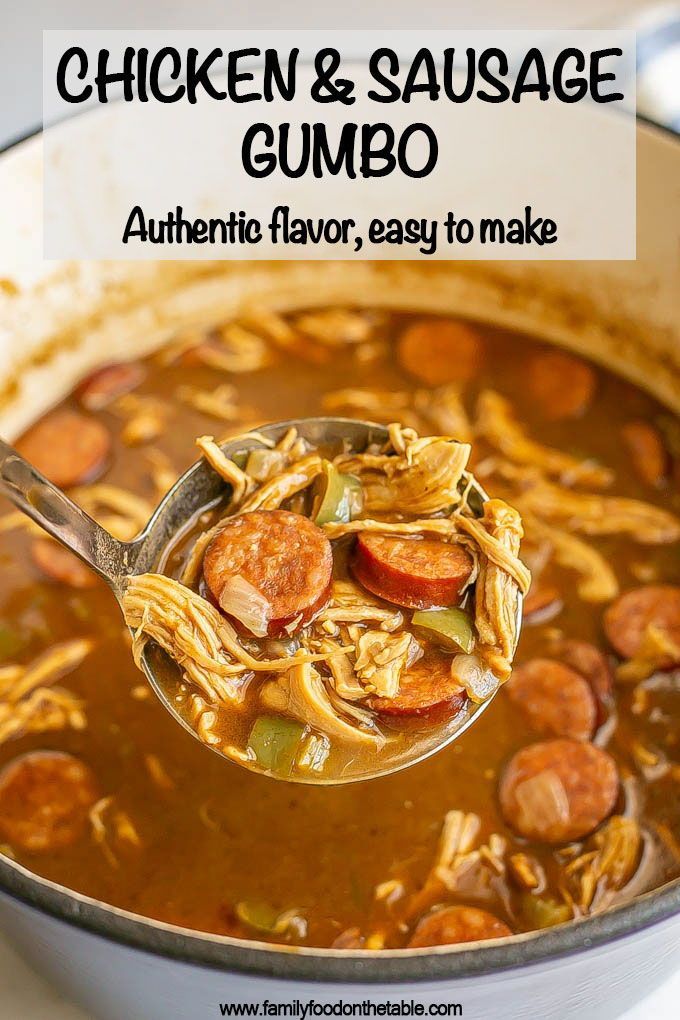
169	830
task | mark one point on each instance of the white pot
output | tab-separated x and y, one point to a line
57	321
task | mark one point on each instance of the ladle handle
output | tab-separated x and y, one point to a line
56	514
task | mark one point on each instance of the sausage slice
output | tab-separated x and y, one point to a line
554	698
67	447
416	573
450	925
283	556
558	791
102	387
647	451
627	619
45	797
61	565
437	351
561	385
592	664
424	686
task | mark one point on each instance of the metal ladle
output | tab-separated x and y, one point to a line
199	488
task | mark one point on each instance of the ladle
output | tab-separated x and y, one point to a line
198	488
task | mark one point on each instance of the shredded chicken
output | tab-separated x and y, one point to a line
196	636
593	514
107	503
424	474
272	325
301	692
458	836
335	327
272	494
496	423
111	825
462	866
375	404
43	710
343	676
219	403
380	660
351	604
655	649
146	418
496	591
242	350
597	581
609	862
444	412
49	667
439	410
240	483
526	872
28	702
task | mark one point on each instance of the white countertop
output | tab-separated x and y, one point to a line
24	994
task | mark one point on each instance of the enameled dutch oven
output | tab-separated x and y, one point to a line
59	321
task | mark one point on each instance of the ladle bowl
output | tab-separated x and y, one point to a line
196	491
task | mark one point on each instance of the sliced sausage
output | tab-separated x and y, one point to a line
558	791
67	447
554	698
627	619
102	387
647	451
426	685
561	385
542	604
450	925
416	573
283	556
436	351
592	664
61	565
45	797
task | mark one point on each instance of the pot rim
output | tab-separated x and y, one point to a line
222	952
225	953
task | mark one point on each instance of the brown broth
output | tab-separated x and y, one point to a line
220	836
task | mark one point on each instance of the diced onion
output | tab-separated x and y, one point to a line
263	464
245	603
477	679
542	798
